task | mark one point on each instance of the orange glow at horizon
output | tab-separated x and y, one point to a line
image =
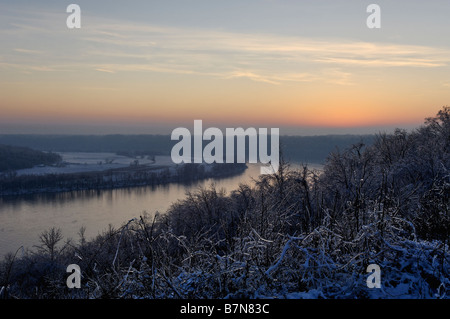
239	102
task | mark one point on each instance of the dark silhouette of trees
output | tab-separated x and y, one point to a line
14	158
49	239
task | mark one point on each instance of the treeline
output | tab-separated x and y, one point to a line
140	175
15	157
315	149
142	144
298	233
311	149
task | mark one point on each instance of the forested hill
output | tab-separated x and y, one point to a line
13	157
315	149
312	149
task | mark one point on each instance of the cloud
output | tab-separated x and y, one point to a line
251	76
104	70
114	46
387	62
28	51
268	58
29	67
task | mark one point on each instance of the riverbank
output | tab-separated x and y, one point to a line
23	218
96	171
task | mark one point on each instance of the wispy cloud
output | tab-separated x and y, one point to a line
386	61
104	70
28	51
267	58
114	46
252	76
32	67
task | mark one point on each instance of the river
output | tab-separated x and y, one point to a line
24	218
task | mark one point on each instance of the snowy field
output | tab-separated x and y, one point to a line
77	162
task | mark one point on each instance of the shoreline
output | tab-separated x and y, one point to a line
125	177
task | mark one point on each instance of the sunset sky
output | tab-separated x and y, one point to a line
307	67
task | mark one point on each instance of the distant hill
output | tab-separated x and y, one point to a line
308	149
315	149
151	144
15	157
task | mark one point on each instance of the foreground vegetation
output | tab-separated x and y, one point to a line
294	234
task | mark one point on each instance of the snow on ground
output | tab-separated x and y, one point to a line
77	162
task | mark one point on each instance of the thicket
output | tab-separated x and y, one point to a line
299	233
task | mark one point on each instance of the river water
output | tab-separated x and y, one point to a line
24	218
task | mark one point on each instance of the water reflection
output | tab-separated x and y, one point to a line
87	195
23	218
